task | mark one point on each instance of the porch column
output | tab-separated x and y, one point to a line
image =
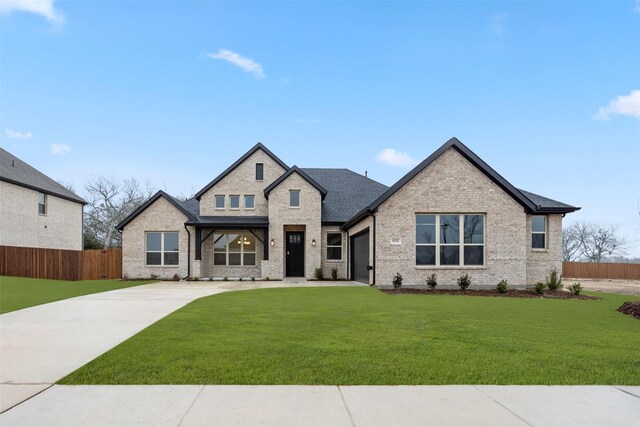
198	244
265	245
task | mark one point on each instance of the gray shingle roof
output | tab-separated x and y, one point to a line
15	171
544	203
192	205
347	192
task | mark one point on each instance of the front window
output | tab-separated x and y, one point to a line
449	239
42	203
234	202
294	198
259	171
334	246
234	249
539	232
162	247
249	202
219	202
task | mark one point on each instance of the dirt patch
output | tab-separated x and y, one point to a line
632	308
512	293
626	287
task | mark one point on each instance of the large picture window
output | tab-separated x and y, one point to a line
334	246
449	239
162	248
234	249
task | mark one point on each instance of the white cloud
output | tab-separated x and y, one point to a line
497	24
392	157
308	121
44	8
624	105
637	8
242	62
60	149
15	134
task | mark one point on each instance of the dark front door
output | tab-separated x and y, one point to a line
295	254
360	257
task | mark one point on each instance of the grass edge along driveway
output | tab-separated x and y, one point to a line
17	293
355	335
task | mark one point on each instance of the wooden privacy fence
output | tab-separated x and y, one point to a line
601	270
60	264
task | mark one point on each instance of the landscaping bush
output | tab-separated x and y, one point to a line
225	278
432	281
502	286
334	273
539	288
464	282
631	308
555	281
154	277
253	279
240	279
397	281
317	273
575	289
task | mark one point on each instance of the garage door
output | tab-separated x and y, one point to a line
360	257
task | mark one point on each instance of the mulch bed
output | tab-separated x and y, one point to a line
632	308
512	293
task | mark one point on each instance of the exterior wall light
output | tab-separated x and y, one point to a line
313	243
272	243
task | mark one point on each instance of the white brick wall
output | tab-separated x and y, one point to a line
208	269
22	225
541	262
363	225
452	185
242	181
328	265
283	218
160	216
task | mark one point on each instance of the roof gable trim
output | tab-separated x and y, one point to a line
287	174
151	201
245	156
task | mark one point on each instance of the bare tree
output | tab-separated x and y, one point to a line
109	202
571	244
591	242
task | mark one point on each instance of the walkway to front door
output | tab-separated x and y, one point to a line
295	254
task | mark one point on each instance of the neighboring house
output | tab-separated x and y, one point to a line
35	210
452	214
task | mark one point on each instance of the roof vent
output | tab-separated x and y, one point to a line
365	173
13	163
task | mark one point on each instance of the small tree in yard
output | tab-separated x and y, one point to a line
464	282
555	281
397	281
334	273
502	287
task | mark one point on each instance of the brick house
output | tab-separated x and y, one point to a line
452	214
35	210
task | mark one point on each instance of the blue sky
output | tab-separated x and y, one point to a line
548	93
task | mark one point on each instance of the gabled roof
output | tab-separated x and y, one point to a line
287	174
179	205
347	192
237	163
471	157
531	202
15	171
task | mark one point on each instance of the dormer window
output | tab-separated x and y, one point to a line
259	171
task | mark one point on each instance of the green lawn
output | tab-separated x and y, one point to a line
22	292
362	336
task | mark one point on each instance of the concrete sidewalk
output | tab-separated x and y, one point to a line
42	344
329	406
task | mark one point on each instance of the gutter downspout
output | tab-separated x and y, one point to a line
188	252
373	262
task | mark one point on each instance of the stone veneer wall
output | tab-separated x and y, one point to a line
328	265
242	181
451	184
160	216
362	225
22	225
282	217
541	262
207	268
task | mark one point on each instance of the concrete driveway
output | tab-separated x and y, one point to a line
42	344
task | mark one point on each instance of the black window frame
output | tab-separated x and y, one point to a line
259	171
